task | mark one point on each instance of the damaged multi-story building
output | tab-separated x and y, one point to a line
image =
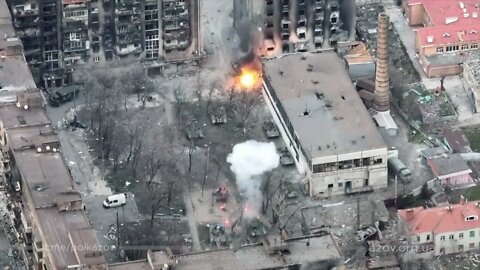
295	25
47	213
324	124
59	35
172	32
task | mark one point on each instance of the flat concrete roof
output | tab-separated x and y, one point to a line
45	175
13	117
322	250
31	137
337	120
66	233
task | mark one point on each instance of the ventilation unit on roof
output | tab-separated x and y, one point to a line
465	15
430	39
462	5
450	20
473	31
474	15
446	35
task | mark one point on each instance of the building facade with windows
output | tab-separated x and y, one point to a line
443	230
450	32
59	36
324	124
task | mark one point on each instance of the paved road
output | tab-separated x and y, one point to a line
89	181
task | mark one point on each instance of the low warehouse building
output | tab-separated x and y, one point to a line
325	125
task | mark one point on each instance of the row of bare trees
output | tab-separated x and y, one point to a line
127	137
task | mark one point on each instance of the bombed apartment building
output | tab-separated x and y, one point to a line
172	31
295	25
324	124
38	24
59	35
128	27
49	224
75	27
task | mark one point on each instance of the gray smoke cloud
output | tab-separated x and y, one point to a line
249	160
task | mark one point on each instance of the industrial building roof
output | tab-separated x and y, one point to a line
444	166
321	104
303	251
443	219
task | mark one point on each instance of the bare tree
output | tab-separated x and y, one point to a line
245	106
270	186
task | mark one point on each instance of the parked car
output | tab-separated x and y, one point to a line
115	200
270	130
285	156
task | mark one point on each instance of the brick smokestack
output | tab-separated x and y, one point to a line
382	80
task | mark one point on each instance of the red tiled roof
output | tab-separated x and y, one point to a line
441	219
449	34
459	19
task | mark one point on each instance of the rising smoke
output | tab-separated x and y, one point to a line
249	160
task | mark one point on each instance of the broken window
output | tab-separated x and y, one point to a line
365	182
301	35
442	238
439	49
330	185
474	46
378	161
465	47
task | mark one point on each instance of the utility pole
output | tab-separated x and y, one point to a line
395	190
118	235
358	213
206	168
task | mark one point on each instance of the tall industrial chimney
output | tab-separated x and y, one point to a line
382	80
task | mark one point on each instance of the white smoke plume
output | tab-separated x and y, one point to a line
249	160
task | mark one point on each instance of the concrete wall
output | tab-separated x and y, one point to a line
471	84
455	245
361	70
415	14
443	71
360	179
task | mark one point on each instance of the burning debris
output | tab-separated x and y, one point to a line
249	160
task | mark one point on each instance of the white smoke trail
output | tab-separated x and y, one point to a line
249	160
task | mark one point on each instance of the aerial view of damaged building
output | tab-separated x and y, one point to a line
239	134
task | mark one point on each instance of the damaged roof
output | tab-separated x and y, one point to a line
321	104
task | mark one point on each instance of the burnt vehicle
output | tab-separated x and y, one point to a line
193	130
286	158
218	115
270	130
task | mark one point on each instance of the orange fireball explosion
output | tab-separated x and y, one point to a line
248	79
